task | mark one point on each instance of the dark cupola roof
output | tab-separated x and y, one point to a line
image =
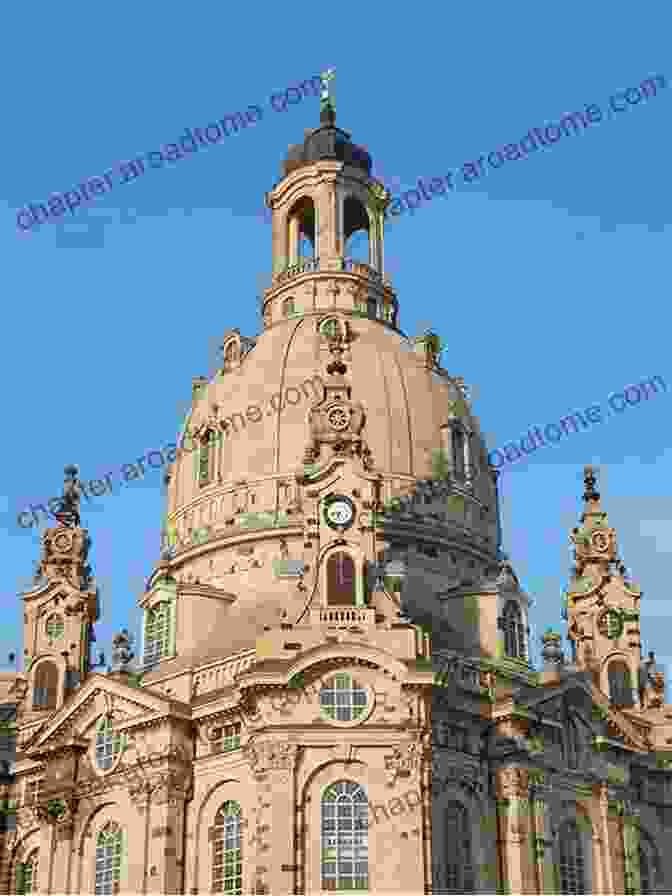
327	142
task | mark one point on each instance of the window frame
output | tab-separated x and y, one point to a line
348	837
110	831
222	832
513	627
354	689
150	655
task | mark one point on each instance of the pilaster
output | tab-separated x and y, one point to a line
513	811
273	765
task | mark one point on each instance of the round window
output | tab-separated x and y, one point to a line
343	699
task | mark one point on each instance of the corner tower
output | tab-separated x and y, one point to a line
60	609
602	608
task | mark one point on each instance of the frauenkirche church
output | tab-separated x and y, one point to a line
333	688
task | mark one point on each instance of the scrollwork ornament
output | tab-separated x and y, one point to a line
512	783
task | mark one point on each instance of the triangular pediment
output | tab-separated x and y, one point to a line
586	702
101	695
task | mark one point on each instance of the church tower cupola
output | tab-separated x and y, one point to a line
602	607
328	229
60	608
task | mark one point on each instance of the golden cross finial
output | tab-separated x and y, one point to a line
327	96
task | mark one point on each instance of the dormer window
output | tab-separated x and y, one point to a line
158	631
55	627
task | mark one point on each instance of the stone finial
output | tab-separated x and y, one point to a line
68	512
589	479
121	651
552	651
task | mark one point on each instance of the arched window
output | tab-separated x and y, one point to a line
572	865
227	860
514	633
458	442
55	627
649	867
342	698
455	874
345	837
341	584
206	458
108	744
46	686
645	880
288	307
26	874
109	853
620	687
158	623
573	743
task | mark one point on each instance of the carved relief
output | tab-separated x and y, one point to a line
265	756
512	783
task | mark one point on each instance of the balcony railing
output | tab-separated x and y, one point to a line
348	265
302	266
343	616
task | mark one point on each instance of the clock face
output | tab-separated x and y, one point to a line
339	512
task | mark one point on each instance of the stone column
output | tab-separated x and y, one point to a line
293	247
513	823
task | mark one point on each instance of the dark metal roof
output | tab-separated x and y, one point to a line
327	142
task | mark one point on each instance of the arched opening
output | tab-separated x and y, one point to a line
356	237
45	692
227	859
455	874
341	580
345	837
301	235
620	686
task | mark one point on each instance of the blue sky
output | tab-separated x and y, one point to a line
545	278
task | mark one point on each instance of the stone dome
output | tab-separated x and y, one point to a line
405	403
